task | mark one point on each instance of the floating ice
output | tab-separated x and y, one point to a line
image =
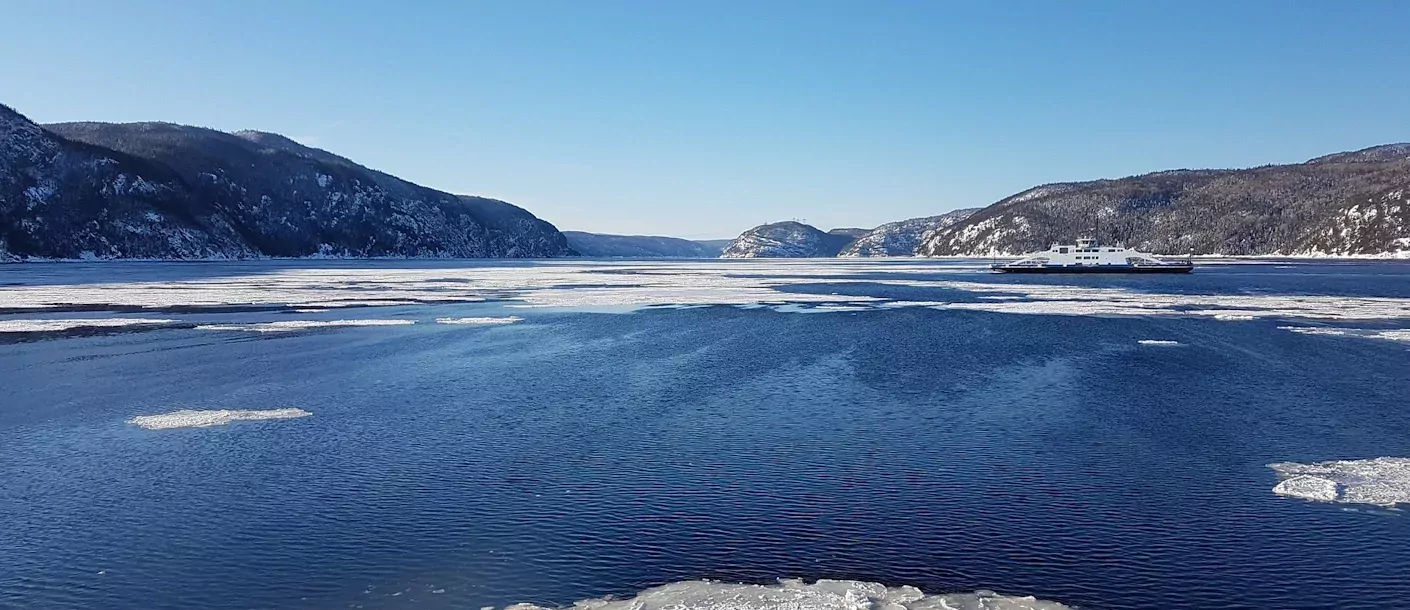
292	325
1389	335
483	320
630	285
1383	481
797	595
1159	342
187	418
40	326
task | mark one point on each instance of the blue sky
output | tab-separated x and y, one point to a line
701	119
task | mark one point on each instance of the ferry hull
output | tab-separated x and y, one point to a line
1095	269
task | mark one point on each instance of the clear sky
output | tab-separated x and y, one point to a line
701	119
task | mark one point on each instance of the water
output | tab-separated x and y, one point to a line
575	453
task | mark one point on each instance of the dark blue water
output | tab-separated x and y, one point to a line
576	455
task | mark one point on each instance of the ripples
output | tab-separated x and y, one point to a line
576	456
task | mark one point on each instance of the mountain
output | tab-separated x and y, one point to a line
641	246
850	232
1375	154
65	199
1355	203
159	190
902	238
786	240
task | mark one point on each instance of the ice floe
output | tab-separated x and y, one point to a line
481	320
292	325
1364	333
1383	481
42	326
798	595
187	418
1159	342
627	285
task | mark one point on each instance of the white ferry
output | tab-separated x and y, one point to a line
1088	256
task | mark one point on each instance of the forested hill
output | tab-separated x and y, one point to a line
1354	203
160	190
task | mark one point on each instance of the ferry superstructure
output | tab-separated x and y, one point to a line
1089	256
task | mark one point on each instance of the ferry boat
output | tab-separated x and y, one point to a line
1088	256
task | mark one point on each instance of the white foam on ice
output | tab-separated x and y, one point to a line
36	326
1383	481
1159	342
188	418
481	320
1364	333
798	595
293	325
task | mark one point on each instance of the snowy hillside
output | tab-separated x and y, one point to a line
902	238
1346	204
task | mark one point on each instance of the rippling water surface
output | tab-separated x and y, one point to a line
910	430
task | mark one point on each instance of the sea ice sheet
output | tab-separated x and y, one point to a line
609	284
1364	333
39	326
188	418
481	320
798	595
292	325
1383	481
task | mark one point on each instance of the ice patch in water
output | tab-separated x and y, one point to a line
42	326
1388	335
823	308
188	418
292	325
1159	342
797	595
1383	481
482	320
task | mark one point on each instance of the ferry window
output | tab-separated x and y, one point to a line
1062	250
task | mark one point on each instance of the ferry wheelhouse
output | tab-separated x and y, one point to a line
1088	256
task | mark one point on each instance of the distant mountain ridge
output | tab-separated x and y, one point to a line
160	190
641	246
1345	204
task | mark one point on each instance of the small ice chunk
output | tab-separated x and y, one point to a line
1308	487
189	418
1383	481
480	320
